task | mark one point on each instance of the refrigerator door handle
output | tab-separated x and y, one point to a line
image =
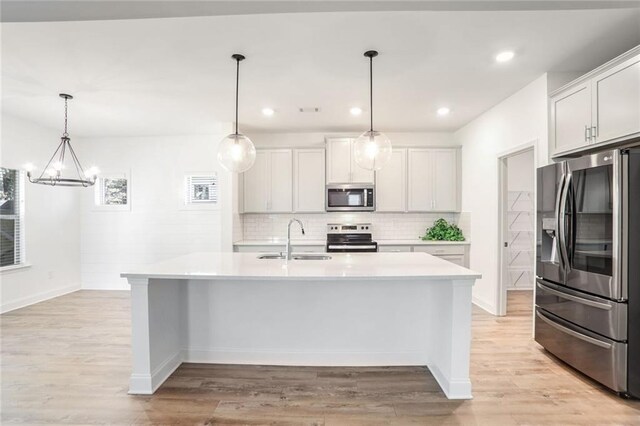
558	238
562	231
582	301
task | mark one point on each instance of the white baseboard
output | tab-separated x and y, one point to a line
484	305
333	359
454	389
146	384
36	298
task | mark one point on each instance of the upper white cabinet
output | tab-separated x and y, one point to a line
433	182
391	183
571	117
308	182
616	101
446	193
341	163
268	184
599	108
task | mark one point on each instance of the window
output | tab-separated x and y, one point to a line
11	218
201	189
113	192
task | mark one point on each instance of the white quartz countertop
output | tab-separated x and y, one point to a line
247	266
282	241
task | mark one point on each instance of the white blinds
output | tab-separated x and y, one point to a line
11	217
201	189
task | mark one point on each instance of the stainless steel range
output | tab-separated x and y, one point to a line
350	238
588	266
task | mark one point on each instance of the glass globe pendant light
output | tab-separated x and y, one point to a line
372	149
54	174
236	152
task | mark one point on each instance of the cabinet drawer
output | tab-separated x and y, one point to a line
394	249
259	249
600	358
438	250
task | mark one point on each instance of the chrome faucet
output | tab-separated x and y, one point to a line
289	235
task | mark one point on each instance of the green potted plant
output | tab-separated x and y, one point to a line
443	231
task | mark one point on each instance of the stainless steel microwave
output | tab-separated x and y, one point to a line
350	198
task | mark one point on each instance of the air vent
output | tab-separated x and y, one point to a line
309	109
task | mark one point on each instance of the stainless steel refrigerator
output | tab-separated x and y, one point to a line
588	266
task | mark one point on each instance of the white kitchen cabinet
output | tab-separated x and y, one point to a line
256	187
454	253
309	180
391	183
571	118
341	164
268	185
599	108
394	248
445	180
616	101
433	182
419	180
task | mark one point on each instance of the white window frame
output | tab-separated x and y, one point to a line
22	252
98	194
199	205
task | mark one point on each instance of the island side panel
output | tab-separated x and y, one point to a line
449	361
330	322
158	330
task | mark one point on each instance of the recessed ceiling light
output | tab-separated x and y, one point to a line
355	111
505	56
268	111
443	111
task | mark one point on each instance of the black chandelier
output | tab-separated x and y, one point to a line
52	174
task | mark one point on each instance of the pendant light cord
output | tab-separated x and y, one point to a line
371	90
65	134
237	84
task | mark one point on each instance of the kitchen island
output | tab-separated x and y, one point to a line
359	309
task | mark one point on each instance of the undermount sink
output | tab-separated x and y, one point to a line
296	256
271	256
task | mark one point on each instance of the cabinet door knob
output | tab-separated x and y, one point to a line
586	130
594	133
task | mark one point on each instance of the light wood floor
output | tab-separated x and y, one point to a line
66	361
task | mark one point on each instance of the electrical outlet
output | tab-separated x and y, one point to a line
50	275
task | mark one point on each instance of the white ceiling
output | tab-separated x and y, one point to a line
175	75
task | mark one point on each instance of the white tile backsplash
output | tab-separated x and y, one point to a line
386	226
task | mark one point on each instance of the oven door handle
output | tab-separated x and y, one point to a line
573	333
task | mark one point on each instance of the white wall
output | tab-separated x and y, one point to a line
518	120
52	221
157	227
317	139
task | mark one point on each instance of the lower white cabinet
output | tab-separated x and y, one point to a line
394	249
268	184
279	248
309	180
454	253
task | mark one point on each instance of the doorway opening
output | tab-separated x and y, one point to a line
517	230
